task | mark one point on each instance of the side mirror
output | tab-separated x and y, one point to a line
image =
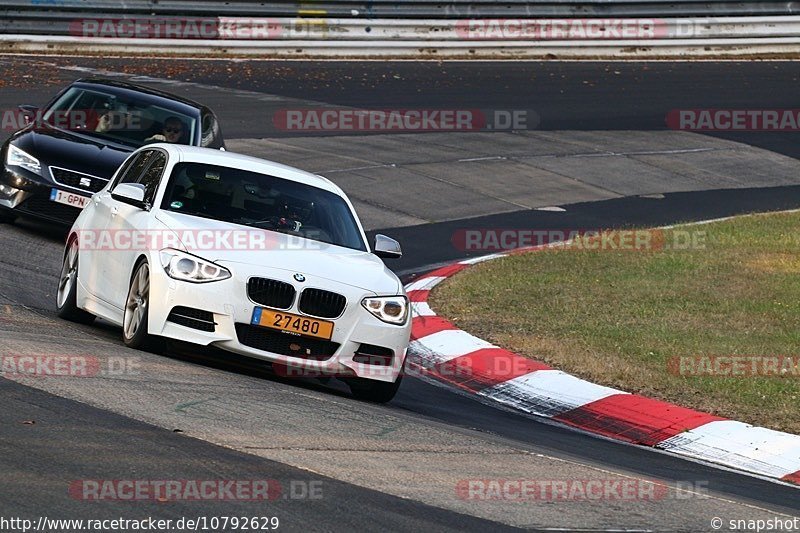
387	248
28	112
130	193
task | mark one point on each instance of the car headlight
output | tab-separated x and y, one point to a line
22	159
186	267
6	191
391	309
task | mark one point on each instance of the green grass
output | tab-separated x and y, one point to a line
617	317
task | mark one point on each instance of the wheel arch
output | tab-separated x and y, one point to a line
139	260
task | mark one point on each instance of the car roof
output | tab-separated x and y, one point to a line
196	154
146	93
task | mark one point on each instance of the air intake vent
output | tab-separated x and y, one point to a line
40	205
271	292
324	304
270	340
369	354
192	318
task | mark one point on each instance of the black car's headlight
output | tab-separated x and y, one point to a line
390	309
21	158
7	191
186	267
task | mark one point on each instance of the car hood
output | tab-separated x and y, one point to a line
228	243
72	151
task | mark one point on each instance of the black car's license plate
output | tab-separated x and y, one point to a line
68	198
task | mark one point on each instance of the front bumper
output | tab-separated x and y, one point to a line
228	301
32	196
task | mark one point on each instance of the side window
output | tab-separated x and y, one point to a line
152	176
132	168
210	134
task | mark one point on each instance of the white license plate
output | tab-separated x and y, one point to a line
68	198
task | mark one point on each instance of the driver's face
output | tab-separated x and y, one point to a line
173	131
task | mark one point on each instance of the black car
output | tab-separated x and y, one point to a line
71	148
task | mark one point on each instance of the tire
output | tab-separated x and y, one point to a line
137	311
373	391
66	294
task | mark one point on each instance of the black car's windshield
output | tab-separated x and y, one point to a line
127	120
262	201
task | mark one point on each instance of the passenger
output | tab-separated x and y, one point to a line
116	119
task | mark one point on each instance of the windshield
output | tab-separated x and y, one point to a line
262	201
125	120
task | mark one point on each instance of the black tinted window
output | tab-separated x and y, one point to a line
124	169
129	119
262	201
211	136
152	176
133	168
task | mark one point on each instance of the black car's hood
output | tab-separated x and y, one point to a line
72	151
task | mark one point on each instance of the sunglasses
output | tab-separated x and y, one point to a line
173	130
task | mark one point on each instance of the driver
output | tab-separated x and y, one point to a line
171	132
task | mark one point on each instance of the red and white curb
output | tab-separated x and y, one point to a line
440	350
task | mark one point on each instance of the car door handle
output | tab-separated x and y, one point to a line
114	211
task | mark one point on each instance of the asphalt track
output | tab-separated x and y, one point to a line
565	95
72	440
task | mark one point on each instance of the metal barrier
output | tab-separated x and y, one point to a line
408	28
427	9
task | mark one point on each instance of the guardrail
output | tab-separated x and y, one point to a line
464	29
99	29
428	9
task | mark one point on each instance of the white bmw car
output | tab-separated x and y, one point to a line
246	255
